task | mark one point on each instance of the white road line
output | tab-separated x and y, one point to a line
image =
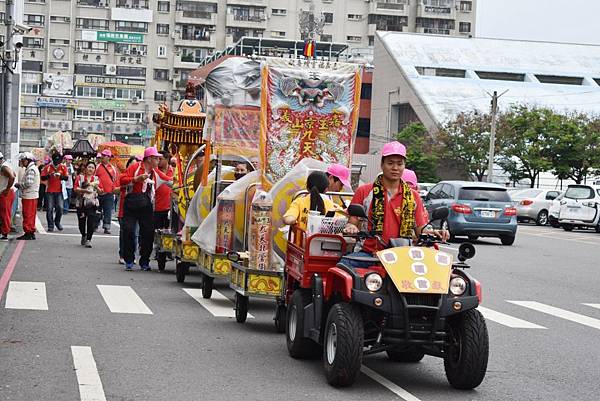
123	299
90	385
564	314
79	236
116	224
26	295
507	320
219	305
38	225
597	306
394	388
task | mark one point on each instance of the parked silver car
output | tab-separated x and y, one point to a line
534	204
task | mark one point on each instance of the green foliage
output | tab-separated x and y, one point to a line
421	156
465	141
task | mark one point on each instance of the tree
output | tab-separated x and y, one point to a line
421	157
465	140
574	147
524	135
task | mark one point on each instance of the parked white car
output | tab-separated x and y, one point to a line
424	188
580	207
554	211
534	204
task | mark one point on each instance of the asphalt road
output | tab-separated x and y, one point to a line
171	347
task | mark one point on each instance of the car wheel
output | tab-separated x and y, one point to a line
553	222
597	228
507	239
542	218
567	227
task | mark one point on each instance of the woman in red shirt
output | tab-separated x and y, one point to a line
162	201
87	186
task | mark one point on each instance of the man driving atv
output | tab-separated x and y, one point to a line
392	206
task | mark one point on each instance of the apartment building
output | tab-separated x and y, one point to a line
104	66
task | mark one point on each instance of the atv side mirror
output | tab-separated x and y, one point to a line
466	251
441	213
356	210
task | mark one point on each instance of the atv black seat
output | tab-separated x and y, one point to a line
366	259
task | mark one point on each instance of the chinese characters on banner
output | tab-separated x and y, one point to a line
307	112
225	225
237	129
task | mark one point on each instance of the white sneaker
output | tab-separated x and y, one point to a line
121	261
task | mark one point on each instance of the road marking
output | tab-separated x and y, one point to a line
38	225
560	237
394	388
116	224
123	299
597	306
507	320
218	304
10	267
26	295
90	385
564	314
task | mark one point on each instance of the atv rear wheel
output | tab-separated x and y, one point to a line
343	344
409	355
467	357
299	346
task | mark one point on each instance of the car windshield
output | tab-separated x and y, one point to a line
579	192
527	193
484	194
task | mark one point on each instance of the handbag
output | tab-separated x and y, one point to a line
136	201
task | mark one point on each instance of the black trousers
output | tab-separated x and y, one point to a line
138	209
161	219
87	218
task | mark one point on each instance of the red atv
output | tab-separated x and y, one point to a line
410	301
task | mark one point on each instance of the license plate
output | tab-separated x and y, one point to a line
488	214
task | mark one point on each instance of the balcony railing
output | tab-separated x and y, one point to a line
390	6
197	14
436	31
249	18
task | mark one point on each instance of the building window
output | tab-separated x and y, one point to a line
91	47
160	96
326	38
129	49
350	38
130	26
162	29
278	34
60	42
126	94
30	111
31	89
279	11
89	91
328	18
89	69
363	128
464	27
164	6
61	19
93	3
365	91
466	6
560	80
355	17
161	75
33	43
441	72
501	76
89	23
59	66
132	4
88	115
128	116
131	71
34	19
30	65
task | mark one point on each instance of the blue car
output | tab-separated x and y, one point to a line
476	209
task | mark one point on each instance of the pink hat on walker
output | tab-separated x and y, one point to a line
340	172
393	148
151	151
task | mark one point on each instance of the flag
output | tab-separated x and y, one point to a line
309	48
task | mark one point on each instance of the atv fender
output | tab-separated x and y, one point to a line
339	281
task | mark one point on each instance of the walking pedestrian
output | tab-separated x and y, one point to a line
69	183
87	186
122	193
42	191
29	188
138	208
54	173
162	202
109	176
7	196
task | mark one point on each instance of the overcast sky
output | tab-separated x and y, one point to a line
573	21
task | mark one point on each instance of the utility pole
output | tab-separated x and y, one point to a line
9	64
495	97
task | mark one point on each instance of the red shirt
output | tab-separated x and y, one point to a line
391	225
162	195
54	183
134	170
121	202
109	177
79	179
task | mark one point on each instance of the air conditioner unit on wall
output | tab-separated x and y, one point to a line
111	69
135	100
107	119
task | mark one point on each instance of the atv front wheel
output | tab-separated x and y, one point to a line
298	346
343	344
409	355
467	357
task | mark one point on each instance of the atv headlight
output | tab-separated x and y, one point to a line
458	286
373	281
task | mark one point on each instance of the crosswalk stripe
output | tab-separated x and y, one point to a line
507	320
393	387
26	295
123	299
597	306
38	226
219	305
562	313
90	385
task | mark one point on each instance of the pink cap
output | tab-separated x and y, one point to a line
68	157
340	172
98	154
139	158
151	151
410	177
107	153
394	148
